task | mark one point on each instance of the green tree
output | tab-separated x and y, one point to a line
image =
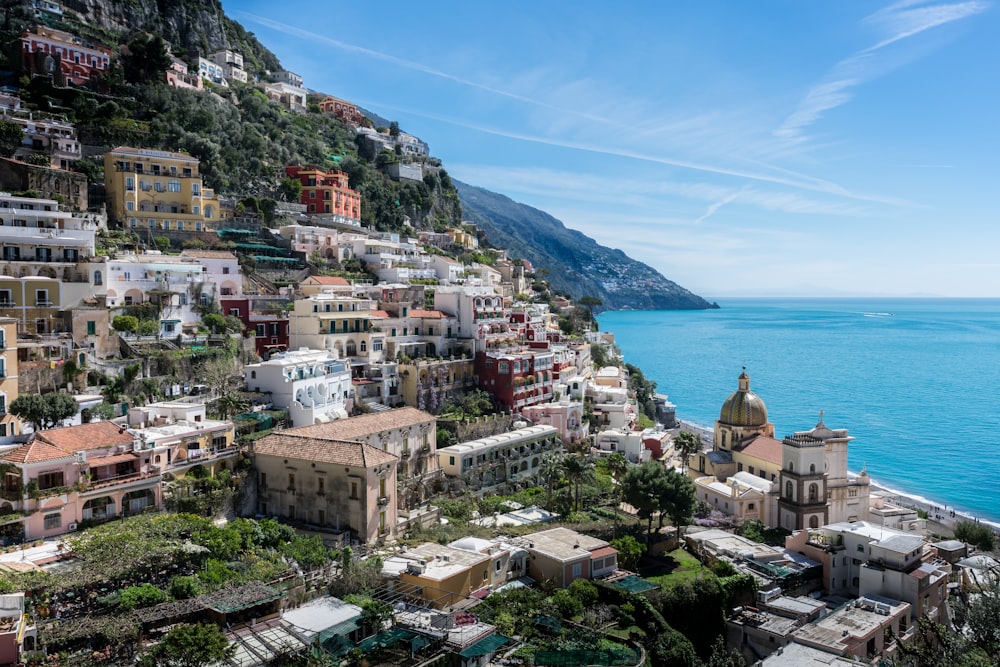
577	469
148	328
393	129
147	59
214	322
590	302
687	444
190	645
630	550
44	410
550	470
977	534
677	500
125	323
11	136
143	595
642	488
290	189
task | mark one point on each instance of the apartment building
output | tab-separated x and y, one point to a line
68	59
152	191
327	193
313	385
510	457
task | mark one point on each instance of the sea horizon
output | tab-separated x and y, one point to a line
909	377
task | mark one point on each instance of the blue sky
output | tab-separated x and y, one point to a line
740	148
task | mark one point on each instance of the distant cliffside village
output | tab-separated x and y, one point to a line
283	437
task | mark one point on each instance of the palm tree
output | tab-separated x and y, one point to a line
577	469
616	465
686	444
550	469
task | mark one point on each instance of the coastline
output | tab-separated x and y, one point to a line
940	519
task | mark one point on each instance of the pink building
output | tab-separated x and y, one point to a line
565	416
178	76
91	472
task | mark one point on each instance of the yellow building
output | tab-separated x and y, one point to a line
9	424
158	191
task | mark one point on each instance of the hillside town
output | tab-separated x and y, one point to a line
264	427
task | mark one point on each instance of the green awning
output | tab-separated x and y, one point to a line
385	639
419	642
485	646
268	258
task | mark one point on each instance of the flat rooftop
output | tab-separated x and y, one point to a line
852	623
562	543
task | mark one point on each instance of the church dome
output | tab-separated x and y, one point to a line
743	407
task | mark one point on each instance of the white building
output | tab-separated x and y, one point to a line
178	284
622	441
231	63
313	385
480	311
39	239
508	457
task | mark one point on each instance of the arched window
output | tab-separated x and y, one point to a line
98	279
813	522
788	490
791	466
812	468
813	492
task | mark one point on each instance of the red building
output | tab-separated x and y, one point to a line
270	329
516	379
65	57
326	192
342	109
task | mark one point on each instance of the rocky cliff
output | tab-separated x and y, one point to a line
576	264
192	27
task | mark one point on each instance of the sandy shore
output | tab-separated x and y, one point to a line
941	517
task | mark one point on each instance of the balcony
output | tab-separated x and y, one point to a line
383	500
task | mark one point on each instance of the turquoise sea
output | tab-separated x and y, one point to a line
916	381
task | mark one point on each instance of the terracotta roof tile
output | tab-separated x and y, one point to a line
762	447
35	452
356	428
379	313
95	435
427	314
288	445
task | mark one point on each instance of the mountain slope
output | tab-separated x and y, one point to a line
577	264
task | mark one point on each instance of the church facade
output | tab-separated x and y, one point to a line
803	478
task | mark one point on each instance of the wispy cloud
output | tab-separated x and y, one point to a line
897	22
715	206
795	181
420	67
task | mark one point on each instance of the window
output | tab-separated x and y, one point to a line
262	481
91	328
41	297
291	481
354	490
321	485
861	548
5	298
813	493
451	460
788	490
235	312
577	570
174	186
53	521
